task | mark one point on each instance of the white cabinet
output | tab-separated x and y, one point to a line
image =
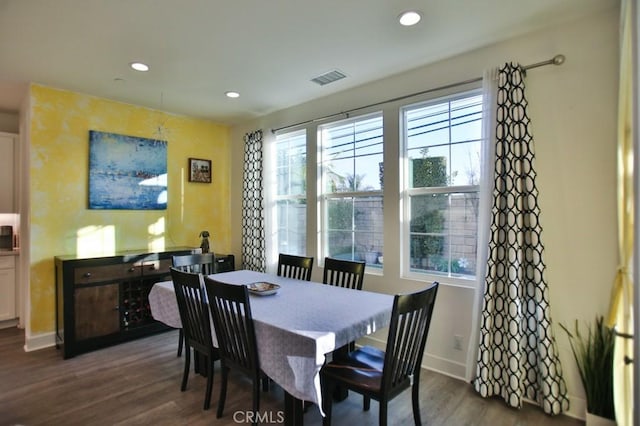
7	288
8	170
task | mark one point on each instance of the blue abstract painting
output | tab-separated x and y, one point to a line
127	172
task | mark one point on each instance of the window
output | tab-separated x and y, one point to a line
442	142
351	170
291	193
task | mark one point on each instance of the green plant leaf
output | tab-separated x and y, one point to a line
593	353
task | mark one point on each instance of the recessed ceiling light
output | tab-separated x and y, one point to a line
410	17
139	66
232	94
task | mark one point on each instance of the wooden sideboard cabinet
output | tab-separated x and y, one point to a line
223	263
102	301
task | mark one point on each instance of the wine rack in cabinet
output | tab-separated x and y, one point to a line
103	301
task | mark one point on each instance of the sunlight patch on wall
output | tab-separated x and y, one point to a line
182	179
156	235
59	174
96	241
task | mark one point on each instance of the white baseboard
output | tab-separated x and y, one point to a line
39	341
9	323
577	407
444	366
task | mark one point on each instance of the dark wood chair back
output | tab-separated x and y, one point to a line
408	331
382	375
196	324
196	263
343	273
233	323
298	267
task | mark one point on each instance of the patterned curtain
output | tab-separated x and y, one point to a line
517	357
253	241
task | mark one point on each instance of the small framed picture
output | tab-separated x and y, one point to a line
199	170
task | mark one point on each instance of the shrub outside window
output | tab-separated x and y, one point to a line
442	142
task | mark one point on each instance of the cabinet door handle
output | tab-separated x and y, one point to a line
132	269
87	275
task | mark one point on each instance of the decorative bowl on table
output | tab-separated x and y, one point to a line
263	288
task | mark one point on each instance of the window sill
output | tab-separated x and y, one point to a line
442	279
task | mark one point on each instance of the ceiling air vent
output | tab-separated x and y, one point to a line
328	77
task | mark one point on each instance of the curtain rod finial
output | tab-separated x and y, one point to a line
558	59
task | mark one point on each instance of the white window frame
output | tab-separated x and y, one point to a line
324	197
406	192
276	198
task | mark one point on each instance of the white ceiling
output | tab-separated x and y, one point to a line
267	50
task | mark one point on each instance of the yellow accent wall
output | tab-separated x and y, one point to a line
62	224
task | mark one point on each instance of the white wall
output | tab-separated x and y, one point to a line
573	110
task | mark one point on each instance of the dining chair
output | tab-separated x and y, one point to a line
343	273
233	324
196	323
383	375
197	263
298	267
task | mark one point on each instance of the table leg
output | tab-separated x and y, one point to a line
293	410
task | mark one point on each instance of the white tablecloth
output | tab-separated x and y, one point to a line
295	327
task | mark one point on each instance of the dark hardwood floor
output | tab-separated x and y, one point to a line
138	383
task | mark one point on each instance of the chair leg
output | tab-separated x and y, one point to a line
223	391
415	396
382	420
180	342
207	395
187	365
256	399
366	403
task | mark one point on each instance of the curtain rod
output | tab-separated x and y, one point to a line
556	60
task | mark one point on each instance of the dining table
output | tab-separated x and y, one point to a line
296	327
